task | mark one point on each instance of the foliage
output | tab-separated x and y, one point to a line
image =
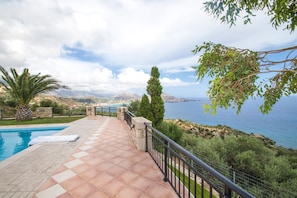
154	110
246	155
281	12
76	111
154	89
24	87
57	108
235	72
6	100
171	130
185	180
145	108
134	107
235	76
262	169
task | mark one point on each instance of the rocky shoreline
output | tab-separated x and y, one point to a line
221	131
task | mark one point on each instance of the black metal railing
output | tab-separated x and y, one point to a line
107	111
128	117
188	175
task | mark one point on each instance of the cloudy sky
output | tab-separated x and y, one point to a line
109	46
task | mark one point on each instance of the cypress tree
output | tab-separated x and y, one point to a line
145	108
154	89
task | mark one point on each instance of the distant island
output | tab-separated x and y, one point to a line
169	98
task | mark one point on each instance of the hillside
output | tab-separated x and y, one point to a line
209	132
170	98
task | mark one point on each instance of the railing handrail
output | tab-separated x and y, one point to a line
228	183
130	113
111	110
128	117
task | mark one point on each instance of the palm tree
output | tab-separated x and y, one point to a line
23	88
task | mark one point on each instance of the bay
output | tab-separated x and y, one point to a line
280	124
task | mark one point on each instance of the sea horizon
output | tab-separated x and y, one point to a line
279	125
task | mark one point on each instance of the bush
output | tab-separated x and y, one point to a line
171	130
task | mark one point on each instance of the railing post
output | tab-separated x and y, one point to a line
228	192
146	138
122	113
165	160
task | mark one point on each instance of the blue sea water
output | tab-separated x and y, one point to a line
280	124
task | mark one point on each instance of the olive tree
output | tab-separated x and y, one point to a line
239	74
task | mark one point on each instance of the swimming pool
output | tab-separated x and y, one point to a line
14	140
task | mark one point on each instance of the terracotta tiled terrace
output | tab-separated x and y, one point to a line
103	162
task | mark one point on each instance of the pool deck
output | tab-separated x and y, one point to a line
103	162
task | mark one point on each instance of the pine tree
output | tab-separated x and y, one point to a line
154	89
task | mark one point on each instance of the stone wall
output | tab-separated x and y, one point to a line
90	111
44	112
138	133
137	129
121	112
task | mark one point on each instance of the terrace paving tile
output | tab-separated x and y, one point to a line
103	162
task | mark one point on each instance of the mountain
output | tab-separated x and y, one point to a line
170	98
166	97
127	96
92	97
77	94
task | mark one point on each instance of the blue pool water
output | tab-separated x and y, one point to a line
14	140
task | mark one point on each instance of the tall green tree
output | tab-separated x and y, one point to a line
154	89
24	87
238	74
145	108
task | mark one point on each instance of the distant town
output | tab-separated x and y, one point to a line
78	98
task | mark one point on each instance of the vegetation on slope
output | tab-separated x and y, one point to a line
252	158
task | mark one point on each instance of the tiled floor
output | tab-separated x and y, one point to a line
107	164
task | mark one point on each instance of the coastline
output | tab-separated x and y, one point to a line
221	131
280	125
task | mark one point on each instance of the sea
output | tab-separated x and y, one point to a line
280	125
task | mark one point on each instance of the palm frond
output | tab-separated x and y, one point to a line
24	87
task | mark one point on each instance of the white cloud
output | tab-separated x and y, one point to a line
128	36
167	82
134	77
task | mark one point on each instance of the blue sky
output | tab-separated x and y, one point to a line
109	46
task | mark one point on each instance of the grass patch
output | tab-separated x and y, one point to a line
185	180
41	121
